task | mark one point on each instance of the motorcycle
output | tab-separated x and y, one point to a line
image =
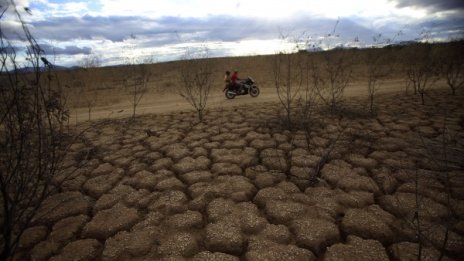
248	86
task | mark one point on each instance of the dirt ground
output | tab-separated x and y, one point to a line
170	101
239	186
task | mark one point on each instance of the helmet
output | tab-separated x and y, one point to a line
227	72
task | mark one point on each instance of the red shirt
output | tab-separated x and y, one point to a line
234	77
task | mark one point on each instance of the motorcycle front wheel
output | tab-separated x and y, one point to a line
229	94
254	91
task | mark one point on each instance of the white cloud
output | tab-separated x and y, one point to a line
19	3
47	9
67	9
255	8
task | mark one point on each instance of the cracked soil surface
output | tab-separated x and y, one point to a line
238	186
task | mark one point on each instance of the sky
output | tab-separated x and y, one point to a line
124	31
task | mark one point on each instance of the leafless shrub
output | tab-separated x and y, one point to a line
442	154
422	68
296	80
288	78
334	143
137	83
307	106
88	85
453	66
138	74
75	87
407	86
195	76
331	73
378	66
331	70
32	136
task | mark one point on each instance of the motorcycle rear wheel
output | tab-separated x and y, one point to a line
254	91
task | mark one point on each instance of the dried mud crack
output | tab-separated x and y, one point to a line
235	187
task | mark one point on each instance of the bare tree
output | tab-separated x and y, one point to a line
421	68
195	75
288	81
138	73
291	79
32	114
378	67
331	71
331	74
137	83
453	66
75	88
88	85
308	98
421	65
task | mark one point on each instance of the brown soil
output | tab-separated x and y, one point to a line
165	101
238	186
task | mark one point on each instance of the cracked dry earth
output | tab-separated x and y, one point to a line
237	187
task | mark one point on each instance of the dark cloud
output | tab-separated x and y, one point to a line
118	28
172	30
168	30
68	50
433	5
450	28
87	27
442	27
11	49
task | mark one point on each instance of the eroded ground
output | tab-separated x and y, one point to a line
240	187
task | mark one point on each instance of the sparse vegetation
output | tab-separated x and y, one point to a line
32	137
196	78
444	168
236	182
288	80
422	68
379	67
453	66
331	74
137	83
88	86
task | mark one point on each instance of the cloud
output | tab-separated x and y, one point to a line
432	5
67	50
19	3
227	35
12	50
159	31
105	27
169	30
444	28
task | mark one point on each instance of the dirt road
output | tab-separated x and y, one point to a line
170	102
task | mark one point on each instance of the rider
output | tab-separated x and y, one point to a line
227	79
234	79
